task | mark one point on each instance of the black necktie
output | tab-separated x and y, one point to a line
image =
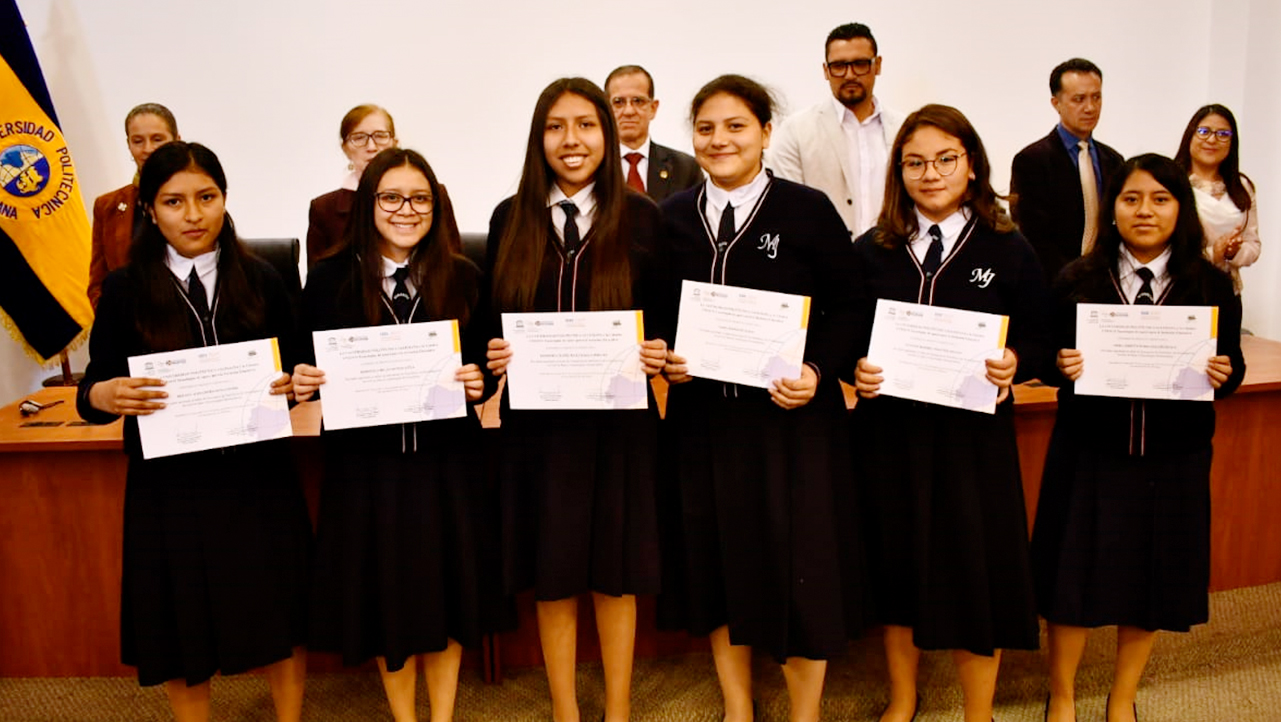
401	302
725	234
571	239
933	256
200	302
1145	297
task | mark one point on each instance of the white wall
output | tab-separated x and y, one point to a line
265	83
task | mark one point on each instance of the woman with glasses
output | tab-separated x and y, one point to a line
400	540
757	556
1123	521
1225	197
366	130
944	509
578	486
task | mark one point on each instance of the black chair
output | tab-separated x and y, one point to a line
474	247
282	254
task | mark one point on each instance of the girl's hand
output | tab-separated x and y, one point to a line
867	379
675	369
795	393
473	381
653	354
1219	369
127	396
497	356
1000	373
306	380
283	385
1069	363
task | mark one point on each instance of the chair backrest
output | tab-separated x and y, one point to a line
474	247
282	254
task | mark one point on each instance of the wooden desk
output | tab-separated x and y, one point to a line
62	497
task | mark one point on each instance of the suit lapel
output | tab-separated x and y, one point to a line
830	128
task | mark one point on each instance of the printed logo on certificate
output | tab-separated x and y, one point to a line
937	355
394	374
586	361
219	396
741	335
1146	352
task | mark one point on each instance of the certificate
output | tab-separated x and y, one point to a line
937	355
219	396
741	335
1146	352
587	360
393	374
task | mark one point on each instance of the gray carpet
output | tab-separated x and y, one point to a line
1229	669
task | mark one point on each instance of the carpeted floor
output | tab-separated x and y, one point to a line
1229	669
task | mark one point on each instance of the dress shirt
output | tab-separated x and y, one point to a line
865	162
950	226
586	202
1130	281
206	268
744	199
1074	151
389	283
642	165
351	181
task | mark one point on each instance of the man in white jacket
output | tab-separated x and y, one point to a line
841	146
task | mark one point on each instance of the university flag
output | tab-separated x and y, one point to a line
44	232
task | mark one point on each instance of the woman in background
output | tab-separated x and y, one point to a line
1225	198
1122	534
115	218
216	543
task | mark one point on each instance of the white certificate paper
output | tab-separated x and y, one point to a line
588	360
741	335
393	374
219	396
937	355
1146	352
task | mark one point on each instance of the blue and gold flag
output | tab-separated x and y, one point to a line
44	232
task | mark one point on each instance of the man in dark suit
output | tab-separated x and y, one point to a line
1054	196
651	168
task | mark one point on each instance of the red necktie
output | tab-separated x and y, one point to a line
633	171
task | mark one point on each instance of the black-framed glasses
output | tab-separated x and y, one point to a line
420	203
946	164
1204	133
621	103
381	138
861	66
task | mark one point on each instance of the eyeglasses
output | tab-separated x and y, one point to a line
1204	133
839	68
359	140
621	103
420	203
914	168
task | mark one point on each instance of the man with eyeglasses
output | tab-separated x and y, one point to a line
650	168
1056	183
841	146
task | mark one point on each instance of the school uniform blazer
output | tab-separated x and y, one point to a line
1139	427
327	221
1046	201
670	172
113	218
810	148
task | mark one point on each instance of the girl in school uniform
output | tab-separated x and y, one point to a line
401	547
943	503
216	543
578	486
1122	531
761	471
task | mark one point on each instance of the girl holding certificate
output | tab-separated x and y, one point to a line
757	556
1123	523
578	486
944	511
216	543
401	532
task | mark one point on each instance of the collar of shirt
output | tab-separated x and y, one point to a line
950	226
643	150
585	199
742	197
351	181
389	283
846	116
1130	282
206	265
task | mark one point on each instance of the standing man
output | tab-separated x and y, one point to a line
1054	192
841	145
651	168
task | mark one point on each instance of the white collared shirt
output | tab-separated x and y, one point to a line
389	283
865	162
1130	282
950	226
642	165
585	199
206	265
744	198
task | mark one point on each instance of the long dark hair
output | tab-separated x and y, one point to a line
897	224
1185	243
525	240
1230	168
433	265
161	316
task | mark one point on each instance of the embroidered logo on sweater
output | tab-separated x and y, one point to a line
769	244
982	276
